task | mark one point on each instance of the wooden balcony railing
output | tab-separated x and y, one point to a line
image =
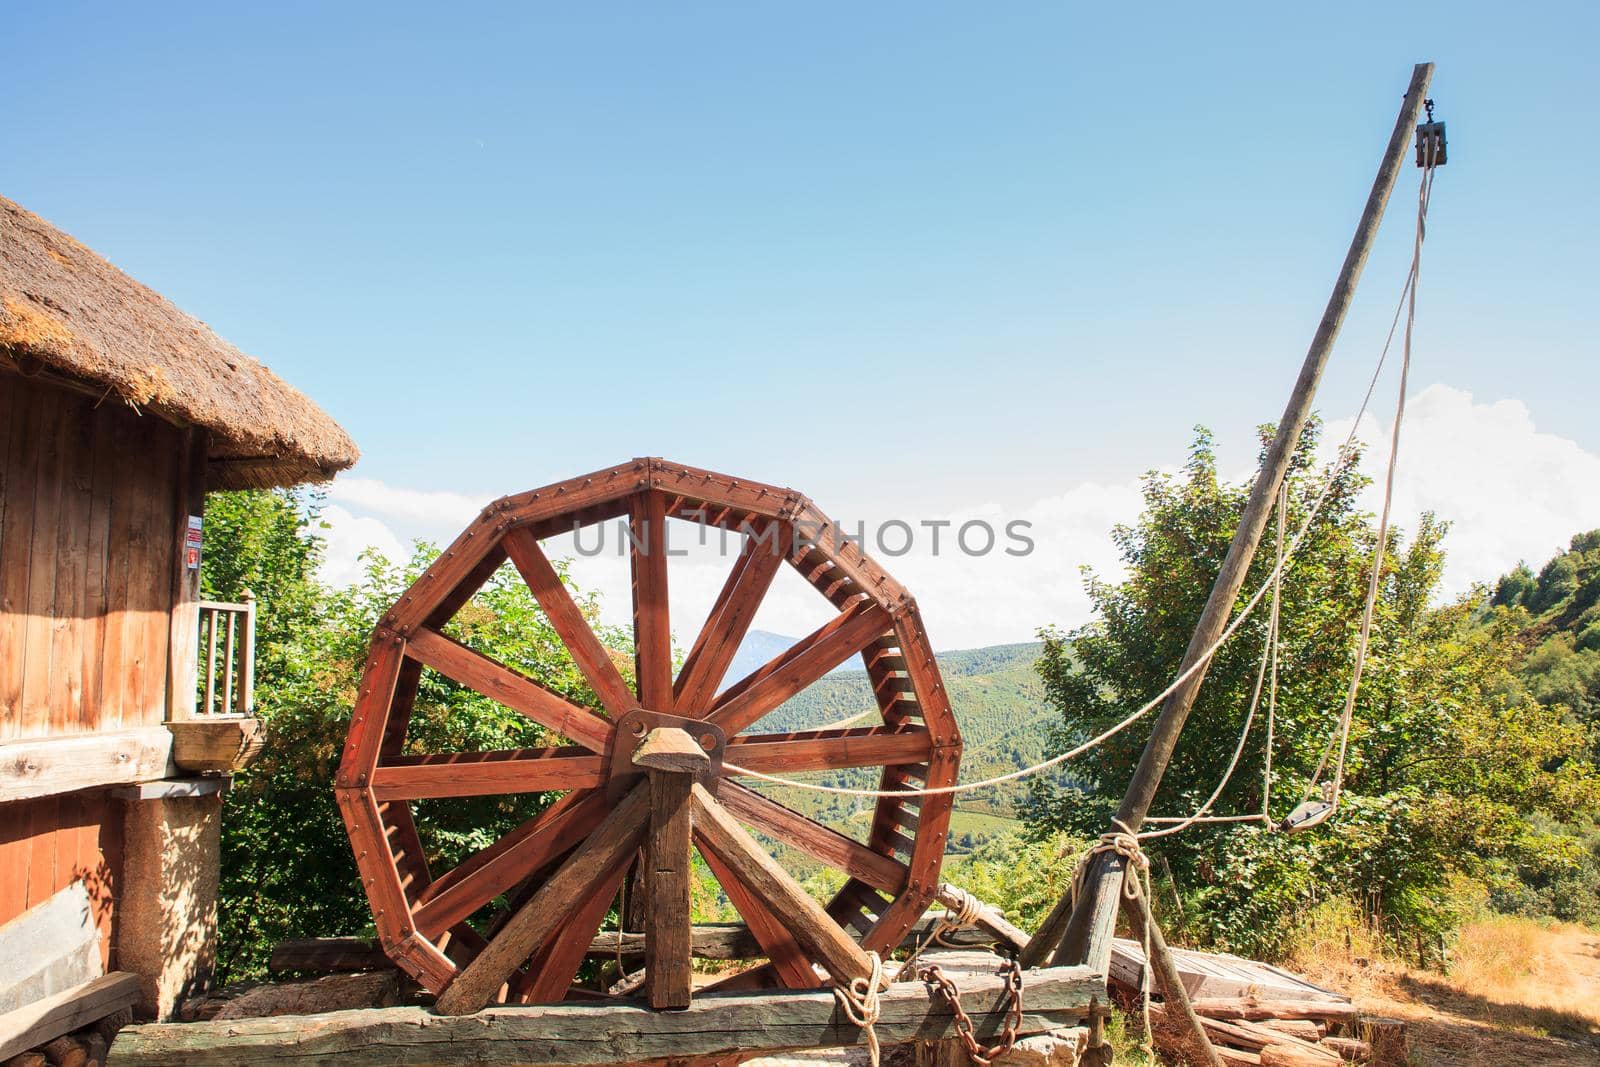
227	675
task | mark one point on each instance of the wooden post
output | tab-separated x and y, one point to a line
245	697
1068	929
672	758
183	640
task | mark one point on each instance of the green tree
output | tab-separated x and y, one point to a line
287	869
1446	758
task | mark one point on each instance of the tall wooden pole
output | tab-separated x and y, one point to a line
1088	925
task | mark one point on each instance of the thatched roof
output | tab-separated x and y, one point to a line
68	313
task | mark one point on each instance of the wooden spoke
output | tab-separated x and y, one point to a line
827	750
817	841
807	661
477	774
652	627
534	845
790	965
516	691
556	963
820	936
730	617
604	853
592	657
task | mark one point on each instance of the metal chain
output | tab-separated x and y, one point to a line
977	1053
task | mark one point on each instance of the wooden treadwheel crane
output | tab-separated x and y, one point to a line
645	773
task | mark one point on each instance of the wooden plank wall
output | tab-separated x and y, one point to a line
48	843
90	500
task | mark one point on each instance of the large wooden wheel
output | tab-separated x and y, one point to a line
651	774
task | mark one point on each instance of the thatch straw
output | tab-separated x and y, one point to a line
65	310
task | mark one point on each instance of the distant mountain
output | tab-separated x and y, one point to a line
759	647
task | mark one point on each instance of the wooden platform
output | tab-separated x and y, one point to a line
1210	974
618	1031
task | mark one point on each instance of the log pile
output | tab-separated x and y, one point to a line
1249	1031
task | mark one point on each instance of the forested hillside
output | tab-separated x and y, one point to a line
1561	605
999	702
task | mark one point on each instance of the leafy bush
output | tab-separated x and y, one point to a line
1448	754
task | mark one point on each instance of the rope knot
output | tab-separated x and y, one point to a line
858	999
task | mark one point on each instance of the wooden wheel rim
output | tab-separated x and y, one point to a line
890	880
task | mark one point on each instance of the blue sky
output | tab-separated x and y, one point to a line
913	258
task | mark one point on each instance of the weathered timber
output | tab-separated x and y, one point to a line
339	992
1212	976
1297	1056
1333	1011
605	1033
1349	1048
670	749
216	744
668	874
47	1019
42	767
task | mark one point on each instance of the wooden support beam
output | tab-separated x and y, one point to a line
47	1019
41	768
708	941
608	848
671	750
668	876
812	927
607	1032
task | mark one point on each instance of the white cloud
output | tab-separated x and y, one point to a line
348	536
1510	491
417	505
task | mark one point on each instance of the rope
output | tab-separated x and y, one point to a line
1125	843
1424	194
965	914
1343	459
859	1002
1272	691
1269	653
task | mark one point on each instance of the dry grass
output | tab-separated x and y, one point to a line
1517	991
